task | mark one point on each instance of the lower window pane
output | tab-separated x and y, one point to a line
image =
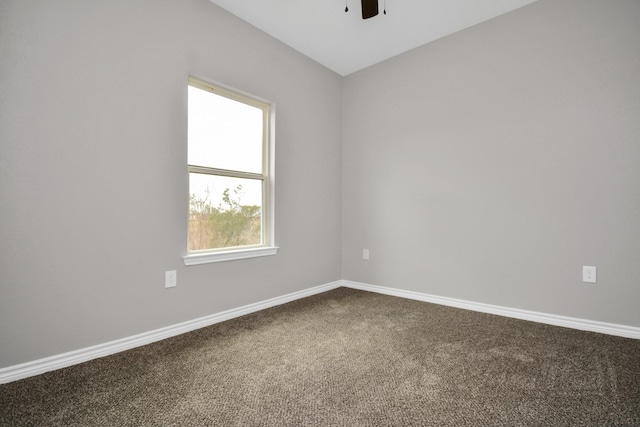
224	212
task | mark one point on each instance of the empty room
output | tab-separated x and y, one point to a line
341	213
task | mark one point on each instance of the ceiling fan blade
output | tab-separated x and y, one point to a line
369	8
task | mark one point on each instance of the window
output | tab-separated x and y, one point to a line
230	186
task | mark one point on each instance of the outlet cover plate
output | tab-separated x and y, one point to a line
588	274
170	279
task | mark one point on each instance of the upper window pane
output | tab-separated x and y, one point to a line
224	133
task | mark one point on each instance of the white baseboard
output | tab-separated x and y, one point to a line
550	319
37	367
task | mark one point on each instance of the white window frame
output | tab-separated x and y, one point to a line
267	177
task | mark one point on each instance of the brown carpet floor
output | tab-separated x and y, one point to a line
347	358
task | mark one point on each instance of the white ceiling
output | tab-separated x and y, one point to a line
346	43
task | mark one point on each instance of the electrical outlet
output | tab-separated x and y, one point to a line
588	274
170	279
365	254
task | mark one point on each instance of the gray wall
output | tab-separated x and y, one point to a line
93	180
493	164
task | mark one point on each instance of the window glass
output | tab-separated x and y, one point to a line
224	133
224	211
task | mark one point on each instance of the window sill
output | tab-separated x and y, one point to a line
209	257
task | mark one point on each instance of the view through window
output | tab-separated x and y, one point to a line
228	147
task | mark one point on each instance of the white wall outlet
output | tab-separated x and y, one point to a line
588	274
365	254
170	279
